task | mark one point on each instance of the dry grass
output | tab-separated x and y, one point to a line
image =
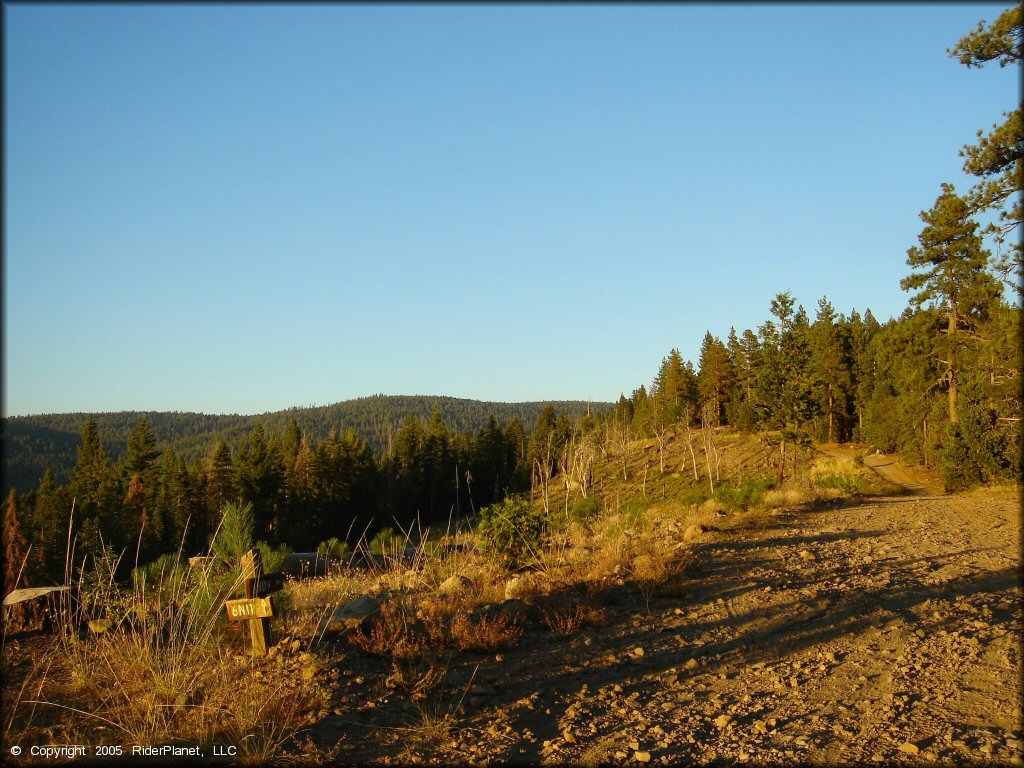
164	669
565	620
409	643
787	496
484	634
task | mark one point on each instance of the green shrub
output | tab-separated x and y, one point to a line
750	493
387	543
333	547
693	497
975	450
512	530
851	484
584	509
273	558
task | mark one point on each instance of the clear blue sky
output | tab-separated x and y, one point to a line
238	209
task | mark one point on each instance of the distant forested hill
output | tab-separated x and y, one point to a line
33	443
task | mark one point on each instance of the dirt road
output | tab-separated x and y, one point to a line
885	631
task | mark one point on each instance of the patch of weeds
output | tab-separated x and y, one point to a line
485	633
693	497
563	618
585	509
393	634
749	493
851	484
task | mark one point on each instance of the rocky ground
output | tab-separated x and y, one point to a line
884	631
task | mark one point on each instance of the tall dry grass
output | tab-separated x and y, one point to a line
152	663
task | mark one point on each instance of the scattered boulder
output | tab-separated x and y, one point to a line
455	585
348	616
520	587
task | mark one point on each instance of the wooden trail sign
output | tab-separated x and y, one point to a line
256	608
268	583
259	623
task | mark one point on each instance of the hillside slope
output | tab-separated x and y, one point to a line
33	443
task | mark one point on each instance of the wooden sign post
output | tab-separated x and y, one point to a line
256	608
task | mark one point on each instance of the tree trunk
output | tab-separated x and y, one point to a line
829	413
951	365
782	461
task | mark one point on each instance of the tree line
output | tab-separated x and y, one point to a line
31	444
303	491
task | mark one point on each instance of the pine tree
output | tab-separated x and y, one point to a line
95	489
998	157
833	370
51	513
220	481
259	474
782	386
141	453
715	377
953	276
142	524
14	544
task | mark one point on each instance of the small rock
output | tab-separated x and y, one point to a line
569	738
910	749
454	585
723	721
349	615
642	757
309	672
806	554
691	664
517	587
638	651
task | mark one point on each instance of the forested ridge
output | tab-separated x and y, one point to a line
33	444
940	384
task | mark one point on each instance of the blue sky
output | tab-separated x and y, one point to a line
239	209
